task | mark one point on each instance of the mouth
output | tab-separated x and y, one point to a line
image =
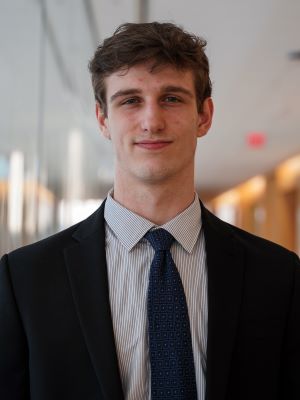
153	144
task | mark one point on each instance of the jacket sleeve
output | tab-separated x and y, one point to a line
291	351
14	377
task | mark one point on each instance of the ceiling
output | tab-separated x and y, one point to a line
45	88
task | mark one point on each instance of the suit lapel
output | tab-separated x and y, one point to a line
86	266
225	269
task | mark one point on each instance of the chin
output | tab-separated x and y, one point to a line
154	176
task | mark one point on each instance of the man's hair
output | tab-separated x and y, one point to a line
162	43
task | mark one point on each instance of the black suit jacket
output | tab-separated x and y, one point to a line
56	334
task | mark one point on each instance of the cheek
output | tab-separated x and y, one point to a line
123	126
177	121
184	123
186	130
120	141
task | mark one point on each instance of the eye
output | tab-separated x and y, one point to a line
131	100
172	99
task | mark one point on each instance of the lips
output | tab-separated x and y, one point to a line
153	145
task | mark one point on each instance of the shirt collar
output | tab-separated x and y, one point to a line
185	227
130	227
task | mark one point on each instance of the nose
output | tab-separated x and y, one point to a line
152	120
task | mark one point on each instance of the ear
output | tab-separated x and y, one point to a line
102	121
205	117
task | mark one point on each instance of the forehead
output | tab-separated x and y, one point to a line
144	77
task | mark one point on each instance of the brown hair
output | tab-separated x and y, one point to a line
164	43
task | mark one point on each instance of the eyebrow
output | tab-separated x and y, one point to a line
165	89
125	92
177	89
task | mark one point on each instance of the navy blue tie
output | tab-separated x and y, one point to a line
170	343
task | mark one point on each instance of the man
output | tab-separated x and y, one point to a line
82	312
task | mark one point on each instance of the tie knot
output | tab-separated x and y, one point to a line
160	239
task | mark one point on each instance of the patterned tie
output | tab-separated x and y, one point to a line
170	343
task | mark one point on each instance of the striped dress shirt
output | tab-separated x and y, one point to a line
129	256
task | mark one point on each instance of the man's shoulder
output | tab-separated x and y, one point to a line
53	246
47	251
253	245
258	245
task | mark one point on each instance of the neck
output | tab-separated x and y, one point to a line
159	203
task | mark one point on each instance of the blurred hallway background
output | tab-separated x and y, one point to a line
54	166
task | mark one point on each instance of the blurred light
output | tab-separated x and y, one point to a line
225	206
226	212
74	165
288	172
46	199
259	214
4	168
246	192
229	197
72	211
253	188
256	140
15	192
31	195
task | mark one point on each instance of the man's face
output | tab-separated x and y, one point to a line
153	122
